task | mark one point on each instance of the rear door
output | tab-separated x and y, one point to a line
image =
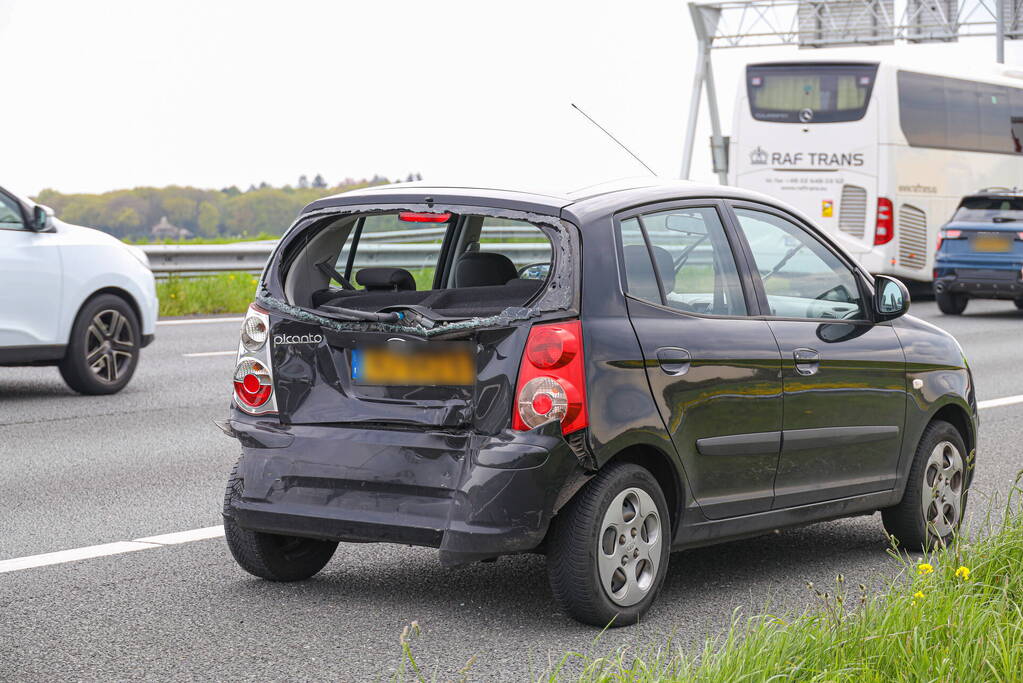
844	376
713	369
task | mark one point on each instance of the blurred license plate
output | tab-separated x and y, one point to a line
450	365
992	243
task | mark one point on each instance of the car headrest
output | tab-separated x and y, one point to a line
483	268
640	275
381	278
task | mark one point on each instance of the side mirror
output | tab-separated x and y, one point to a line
40	219
891	298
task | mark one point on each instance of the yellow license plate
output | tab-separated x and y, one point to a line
450	366
992	243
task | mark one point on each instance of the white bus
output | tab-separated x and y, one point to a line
879	155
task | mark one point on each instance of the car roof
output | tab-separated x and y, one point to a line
603	197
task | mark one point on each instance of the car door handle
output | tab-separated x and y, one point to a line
808	361
673	360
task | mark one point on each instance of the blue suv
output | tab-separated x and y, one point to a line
980	251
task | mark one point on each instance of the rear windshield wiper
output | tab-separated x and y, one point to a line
352	315
1003	219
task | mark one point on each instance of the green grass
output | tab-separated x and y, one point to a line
954	615
219	293
229	239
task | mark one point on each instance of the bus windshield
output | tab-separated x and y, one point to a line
809	93
989	210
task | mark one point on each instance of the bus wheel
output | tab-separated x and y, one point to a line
952	304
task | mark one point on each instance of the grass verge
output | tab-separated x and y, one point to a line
953	615
205	295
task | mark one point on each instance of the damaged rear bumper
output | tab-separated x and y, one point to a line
472	496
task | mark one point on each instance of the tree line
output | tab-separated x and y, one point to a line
228	212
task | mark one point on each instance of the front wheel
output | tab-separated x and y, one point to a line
951	304
932	506
103	351
608	547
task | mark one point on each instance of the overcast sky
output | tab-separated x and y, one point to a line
106	94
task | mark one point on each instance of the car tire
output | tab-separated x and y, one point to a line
1019	303
103	350
951	304
621	510
933	504
272	556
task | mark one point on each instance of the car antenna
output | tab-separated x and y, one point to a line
620	144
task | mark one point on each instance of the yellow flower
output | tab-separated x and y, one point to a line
174	296
924	568
919	595
230	277
963	573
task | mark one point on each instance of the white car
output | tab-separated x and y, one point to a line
72	297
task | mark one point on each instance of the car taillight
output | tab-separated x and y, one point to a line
948	235
884	229
253	376
253	384
253	333
551	382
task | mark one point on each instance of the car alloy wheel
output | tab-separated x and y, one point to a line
109	345
942	499
629	547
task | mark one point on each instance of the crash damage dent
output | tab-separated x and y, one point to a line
557	295
471	496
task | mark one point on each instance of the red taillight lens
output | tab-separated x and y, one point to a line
550	346
252	383
423	217
551	382
885	227
949	235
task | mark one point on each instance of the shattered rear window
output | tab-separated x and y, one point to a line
438	267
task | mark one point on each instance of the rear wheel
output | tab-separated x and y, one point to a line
951	304
608	548
272	556
932	507
104	347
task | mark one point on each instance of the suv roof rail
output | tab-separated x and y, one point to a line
999	189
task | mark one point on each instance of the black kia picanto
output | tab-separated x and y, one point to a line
602	376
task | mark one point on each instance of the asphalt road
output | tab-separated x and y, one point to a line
77	471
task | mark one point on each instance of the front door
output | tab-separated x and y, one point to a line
712	368
30	280
844	375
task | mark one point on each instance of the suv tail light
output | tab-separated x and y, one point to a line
551	382
948	235
884	230
253	377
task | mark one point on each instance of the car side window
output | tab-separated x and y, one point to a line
10	214
691	257
801	276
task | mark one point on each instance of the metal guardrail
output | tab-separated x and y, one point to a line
196	259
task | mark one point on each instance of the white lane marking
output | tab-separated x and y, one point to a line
999	402
104	549
73	555
184	536
203	354
198	321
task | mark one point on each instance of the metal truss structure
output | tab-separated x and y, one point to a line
831	23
